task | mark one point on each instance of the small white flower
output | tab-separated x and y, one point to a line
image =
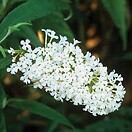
50	33
76	42
63	40
11	51
25	45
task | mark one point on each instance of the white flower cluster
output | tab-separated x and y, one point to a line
66	73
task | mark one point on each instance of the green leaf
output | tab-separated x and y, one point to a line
2	51
56	23
124	111
3	73
2	97
110	126
30	10
30	34
39	109
15	1
4	3
2	122
5	61
13	28
52	127
117	10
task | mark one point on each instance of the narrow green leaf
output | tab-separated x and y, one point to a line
52	127
123	112
2	97
30	34
39	109
30	10
2	51
117	10
4	3
3	73
13	28
110	126
15	1
56	23
5	61
2	122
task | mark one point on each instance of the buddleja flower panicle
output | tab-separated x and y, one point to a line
67	74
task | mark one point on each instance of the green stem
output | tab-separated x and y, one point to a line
4	2
3	51
50	40
7	34
19	53
13	28
45	39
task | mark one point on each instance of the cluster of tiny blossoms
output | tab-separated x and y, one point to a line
65	72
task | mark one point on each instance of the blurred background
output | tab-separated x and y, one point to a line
105	29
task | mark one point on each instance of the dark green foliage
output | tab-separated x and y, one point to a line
118	10
110	126
2	122
2	97
39	109
5	61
